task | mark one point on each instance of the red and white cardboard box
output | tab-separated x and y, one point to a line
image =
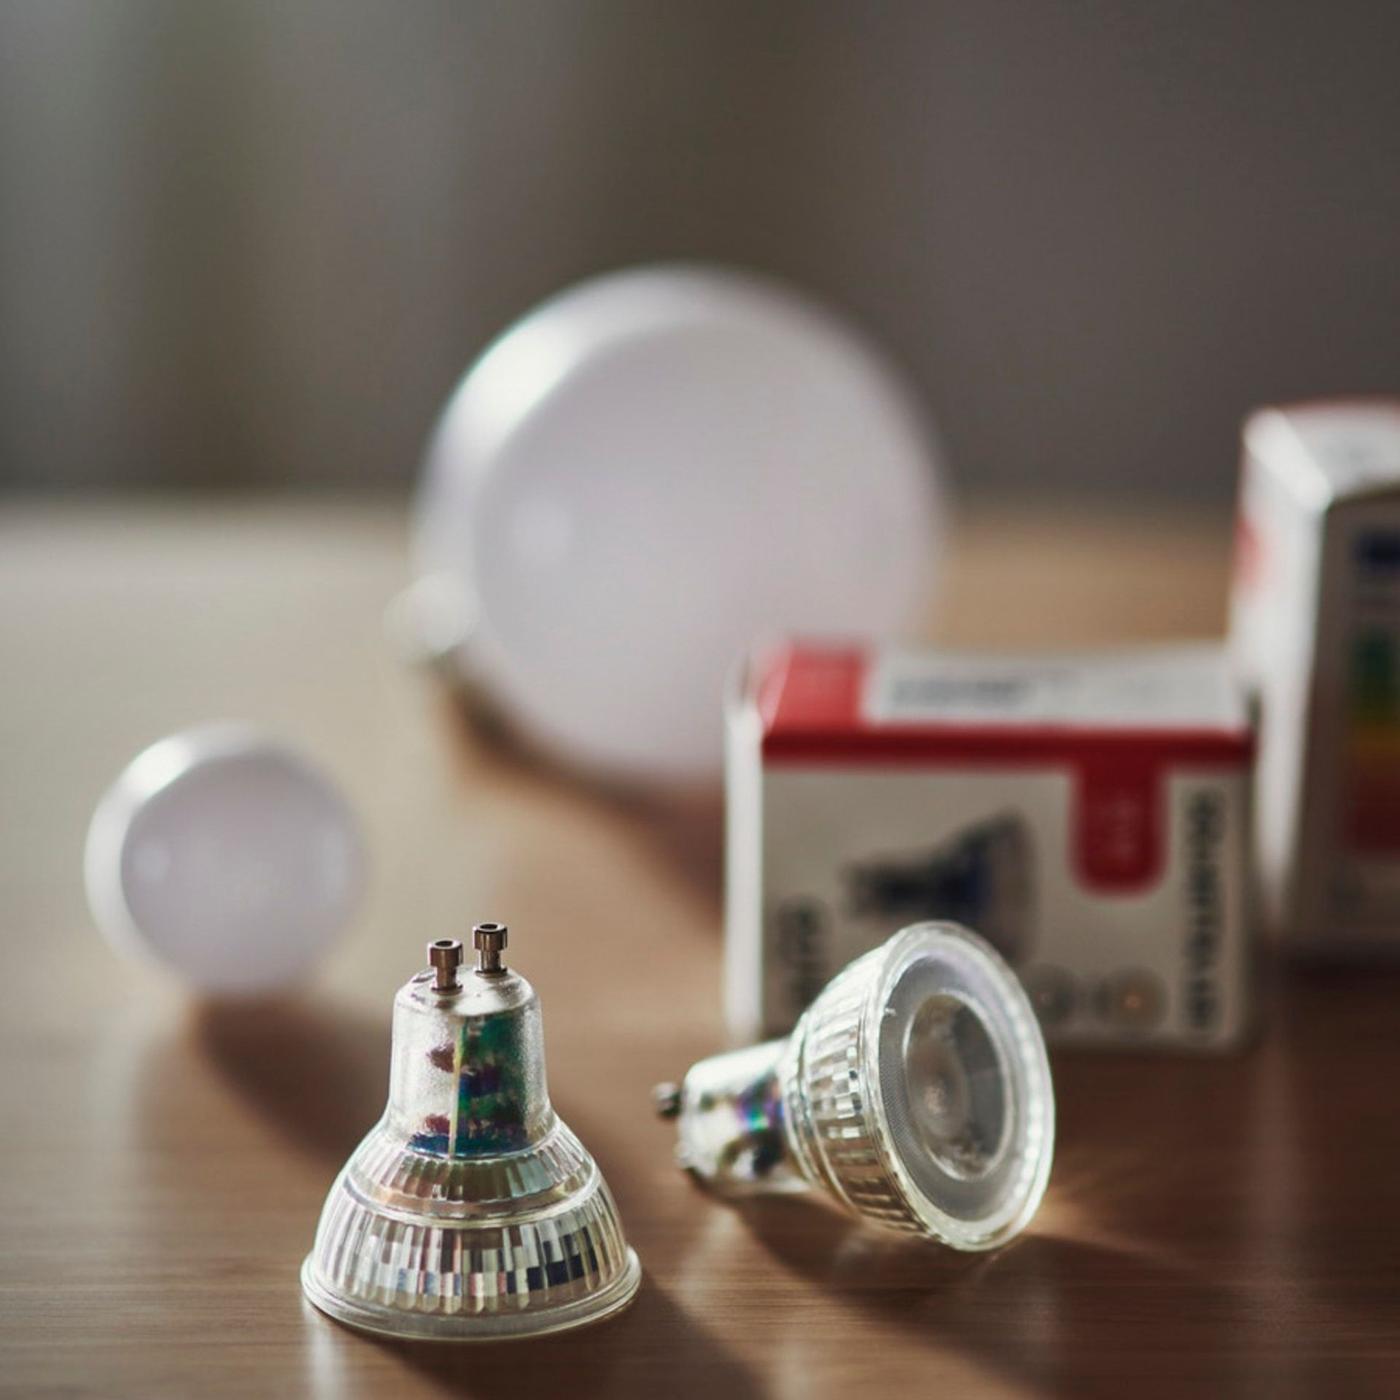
1315	631
1087	814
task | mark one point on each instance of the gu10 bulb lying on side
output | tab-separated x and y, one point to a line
915	1090
470	1212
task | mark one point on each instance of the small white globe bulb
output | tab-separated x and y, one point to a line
225	857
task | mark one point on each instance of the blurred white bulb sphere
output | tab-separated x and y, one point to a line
645	475
225	857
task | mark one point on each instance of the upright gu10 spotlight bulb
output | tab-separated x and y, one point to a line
470	1212
915	1090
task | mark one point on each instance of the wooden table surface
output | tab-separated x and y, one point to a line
1213	1226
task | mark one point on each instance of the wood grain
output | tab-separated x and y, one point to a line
1213	1226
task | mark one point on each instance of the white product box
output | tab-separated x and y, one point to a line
1088	815
1315	631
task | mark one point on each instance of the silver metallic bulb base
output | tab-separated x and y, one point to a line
469	1212
473	1279
915	1090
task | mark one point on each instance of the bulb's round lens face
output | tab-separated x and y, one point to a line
962	1094
954	1086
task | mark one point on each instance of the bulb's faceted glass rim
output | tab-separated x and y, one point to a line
966	968
386	1321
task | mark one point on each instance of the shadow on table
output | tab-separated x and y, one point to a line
1205	1232
684	824
319	1075
1037	1313
1174	1253
654	1349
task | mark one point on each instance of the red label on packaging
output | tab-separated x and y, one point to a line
810	702
1118	838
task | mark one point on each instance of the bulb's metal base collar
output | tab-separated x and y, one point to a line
387	1321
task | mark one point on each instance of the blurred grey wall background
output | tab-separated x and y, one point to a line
256	241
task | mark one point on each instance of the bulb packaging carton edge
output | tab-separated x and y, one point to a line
1088	814
1315	633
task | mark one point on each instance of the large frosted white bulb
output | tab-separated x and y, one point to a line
225	857
645	475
